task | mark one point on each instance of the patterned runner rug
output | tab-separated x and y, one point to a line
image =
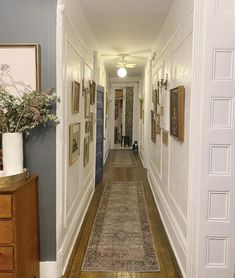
121	238
123	158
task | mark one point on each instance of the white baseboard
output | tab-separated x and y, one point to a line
48	270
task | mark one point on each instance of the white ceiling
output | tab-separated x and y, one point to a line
125	27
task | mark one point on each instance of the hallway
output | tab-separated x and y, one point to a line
128	172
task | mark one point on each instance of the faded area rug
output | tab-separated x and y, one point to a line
123	158
121	238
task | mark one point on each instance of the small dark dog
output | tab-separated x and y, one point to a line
135	146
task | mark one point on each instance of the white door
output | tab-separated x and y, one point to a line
216	252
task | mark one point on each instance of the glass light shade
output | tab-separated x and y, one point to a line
122	72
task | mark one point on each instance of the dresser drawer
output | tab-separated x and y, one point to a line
6	275
5	206
6	232
6	259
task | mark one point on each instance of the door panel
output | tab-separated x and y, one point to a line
99	134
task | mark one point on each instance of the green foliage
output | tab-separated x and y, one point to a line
21	114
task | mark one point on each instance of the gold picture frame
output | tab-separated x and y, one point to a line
165	138
91	126
157	119
92	86
74	142
177	106
86	103
20	63
19	71
86	151
87	126
75	97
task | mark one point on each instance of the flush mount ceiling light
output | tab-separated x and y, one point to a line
122	72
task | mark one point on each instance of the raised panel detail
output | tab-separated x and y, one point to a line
220	160
217	252
223	64
218	206
221	113
225	7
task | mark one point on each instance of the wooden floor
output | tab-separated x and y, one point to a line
168	264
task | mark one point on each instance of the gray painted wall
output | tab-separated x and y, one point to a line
34	21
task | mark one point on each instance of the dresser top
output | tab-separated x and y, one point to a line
16	185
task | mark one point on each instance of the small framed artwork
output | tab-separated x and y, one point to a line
74	142
177	106
153	127
92	91
91	126
157	91
86	151
20	68
141	109
157	119
75	97
87	126
165	138
86	103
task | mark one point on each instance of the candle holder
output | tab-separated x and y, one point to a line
164	83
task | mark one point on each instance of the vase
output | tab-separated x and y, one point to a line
12	148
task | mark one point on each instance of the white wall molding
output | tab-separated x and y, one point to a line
49	270
78	37
170	223
74	228
195	142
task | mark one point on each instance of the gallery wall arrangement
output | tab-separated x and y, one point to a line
159	113
88	89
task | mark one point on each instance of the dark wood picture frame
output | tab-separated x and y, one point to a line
141	109
177	107
153	126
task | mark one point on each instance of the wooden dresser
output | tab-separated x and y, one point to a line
19	230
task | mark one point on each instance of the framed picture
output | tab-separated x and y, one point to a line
75	97
92	91
74	142
86	151
153	127
19	71
157	119
177	103
86	103
141	109
87	126
20	68
91	126
165	138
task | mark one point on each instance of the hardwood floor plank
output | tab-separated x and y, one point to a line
168	264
